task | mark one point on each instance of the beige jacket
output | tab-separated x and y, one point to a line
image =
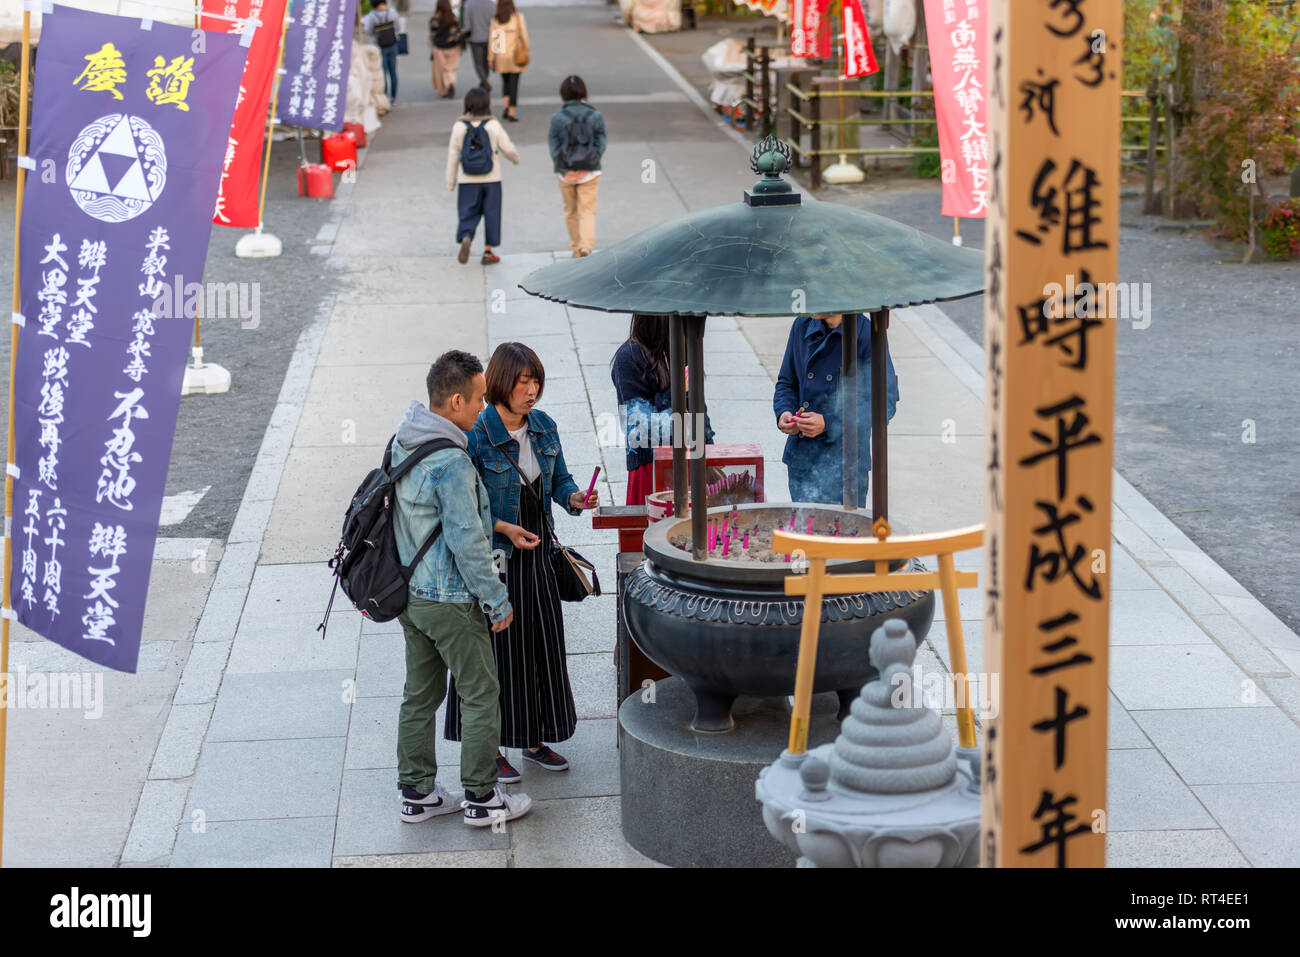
505	42
501	146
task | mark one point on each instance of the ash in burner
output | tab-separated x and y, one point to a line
746	536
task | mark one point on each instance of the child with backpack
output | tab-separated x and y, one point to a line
476	141
577	143
452	587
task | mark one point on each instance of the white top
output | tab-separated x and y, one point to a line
528	463
587	177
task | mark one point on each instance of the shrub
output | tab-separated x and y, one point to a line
1281	231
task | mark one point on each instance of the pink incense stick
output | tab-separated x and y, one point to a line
591	487
726	545
810	524
745	544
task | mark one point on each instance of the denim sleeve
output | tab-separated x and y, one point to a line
786	396
462	527
562	483
645	425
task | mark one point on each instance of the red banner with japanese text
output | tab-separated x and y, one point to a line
859	60
958	42
242	169
810	30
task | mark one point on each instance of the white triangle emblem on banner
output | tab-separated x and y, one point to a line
92	177
132	185
120	142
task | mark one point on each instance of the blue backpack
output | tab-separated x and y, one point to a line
476	150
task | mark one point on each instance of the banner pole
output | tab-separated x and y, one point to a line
201	378
259	244
956	232
270	126
24	84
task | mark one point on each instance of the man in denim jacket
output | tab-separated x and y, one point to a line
451	590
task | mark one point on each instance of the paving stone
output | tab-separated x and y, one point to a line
590	626
1144	794
1186	590
1261	622
1169	849
593	764
368	822
281	589
153	829
580	832
595	685
381	666
1263	820
258	780
203	671
221	614
372	739
1226	745
1241	646
178	749
291	642
1152	677
300	842
430	859
1121	730
1151	618
293	704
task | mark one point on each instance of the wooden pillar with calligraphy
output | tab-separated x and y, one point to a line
1051	256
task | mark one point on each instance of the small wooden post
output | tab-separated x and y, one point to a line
750	57
920	66
677	373
807	665
765	90
1153	137
816	145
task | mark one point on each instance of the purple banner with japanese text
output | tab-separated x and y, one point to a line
129	129
317	56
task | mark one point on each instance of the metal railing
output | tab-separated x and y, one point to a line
1142	138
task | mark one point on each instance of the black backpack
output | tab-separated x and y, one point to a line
366	562
476	150
386	33
579	150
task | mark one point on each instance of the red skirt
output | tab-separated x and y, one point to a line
640	483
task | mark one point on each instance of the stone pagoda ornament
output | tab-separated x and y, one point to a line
890	791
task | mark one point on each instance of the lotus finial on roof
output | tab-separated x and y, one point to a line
771	157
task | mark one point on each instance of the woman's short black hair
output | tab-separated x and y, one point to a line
573	89
509	361
478	102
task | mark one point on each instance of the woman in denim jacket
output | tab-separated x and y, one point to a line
511	436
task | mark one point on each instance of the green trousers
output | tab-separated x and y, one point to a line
442	637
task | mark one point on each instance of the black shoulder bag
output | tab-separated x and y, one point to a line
571	569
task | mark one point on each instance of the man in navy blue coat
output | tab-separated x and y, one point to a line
808	404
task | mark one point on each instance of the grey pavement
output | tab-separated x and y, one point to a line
259	744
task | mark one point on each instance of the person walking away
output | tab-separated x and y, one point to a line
517	450
510	55
643	387
477	142
808	403
451	591
381	25
445	40
577	142
478	19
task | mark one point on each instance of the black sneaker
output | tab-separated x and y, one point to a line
496	806
546	758
420	807
505	773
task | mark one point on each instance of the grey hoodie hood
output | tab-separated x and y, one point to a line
419	425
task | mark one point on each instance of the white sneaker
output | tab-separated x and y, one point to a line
498	807
417	807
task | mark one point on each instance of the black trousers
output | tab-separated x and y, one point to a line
510	87
480	53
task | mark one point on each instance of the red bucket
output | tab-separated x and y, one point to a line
339	152
316	181
358	131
